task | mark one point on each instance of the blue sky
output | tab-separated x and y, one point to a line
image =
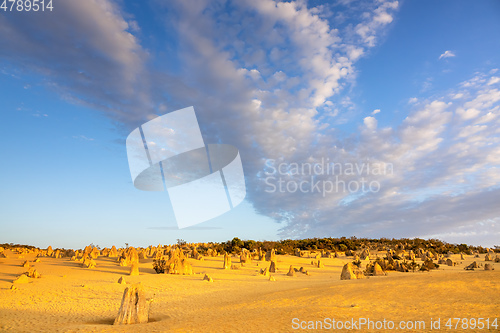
412	84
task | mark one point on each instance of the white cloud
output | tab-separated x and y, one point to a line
374	112
447	54
72	53
486	118
378	18
370	123
468	114
493	80
445	168
471	130
413	100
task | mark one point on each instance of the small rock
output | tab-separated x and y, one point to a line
272	268
92	263
134	269
33	273
227	261
22	279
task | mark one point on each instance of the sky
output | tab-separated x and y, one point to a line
352	118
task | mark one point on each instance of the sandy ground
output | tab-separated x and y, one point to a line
69	298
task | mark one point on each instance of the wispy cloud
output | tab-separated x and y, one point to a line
493	80
447	54
82	137
38	114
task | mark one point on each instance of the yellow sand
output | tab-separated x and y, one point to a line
70	298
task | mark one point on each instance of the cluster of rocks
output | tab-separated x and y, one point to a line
26	277
174	259
302	270
264	271
316	255
245	256
89	263
428	265
365	255
491	256
261	256
474	265
272	269
212	253
2	253
177	263
317	263
196	255
447	262
130	258
398	260
374	269
271	255
295	270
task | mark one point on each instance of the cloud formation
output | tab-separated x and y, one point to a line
447	54
446	173
269	77
84	51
